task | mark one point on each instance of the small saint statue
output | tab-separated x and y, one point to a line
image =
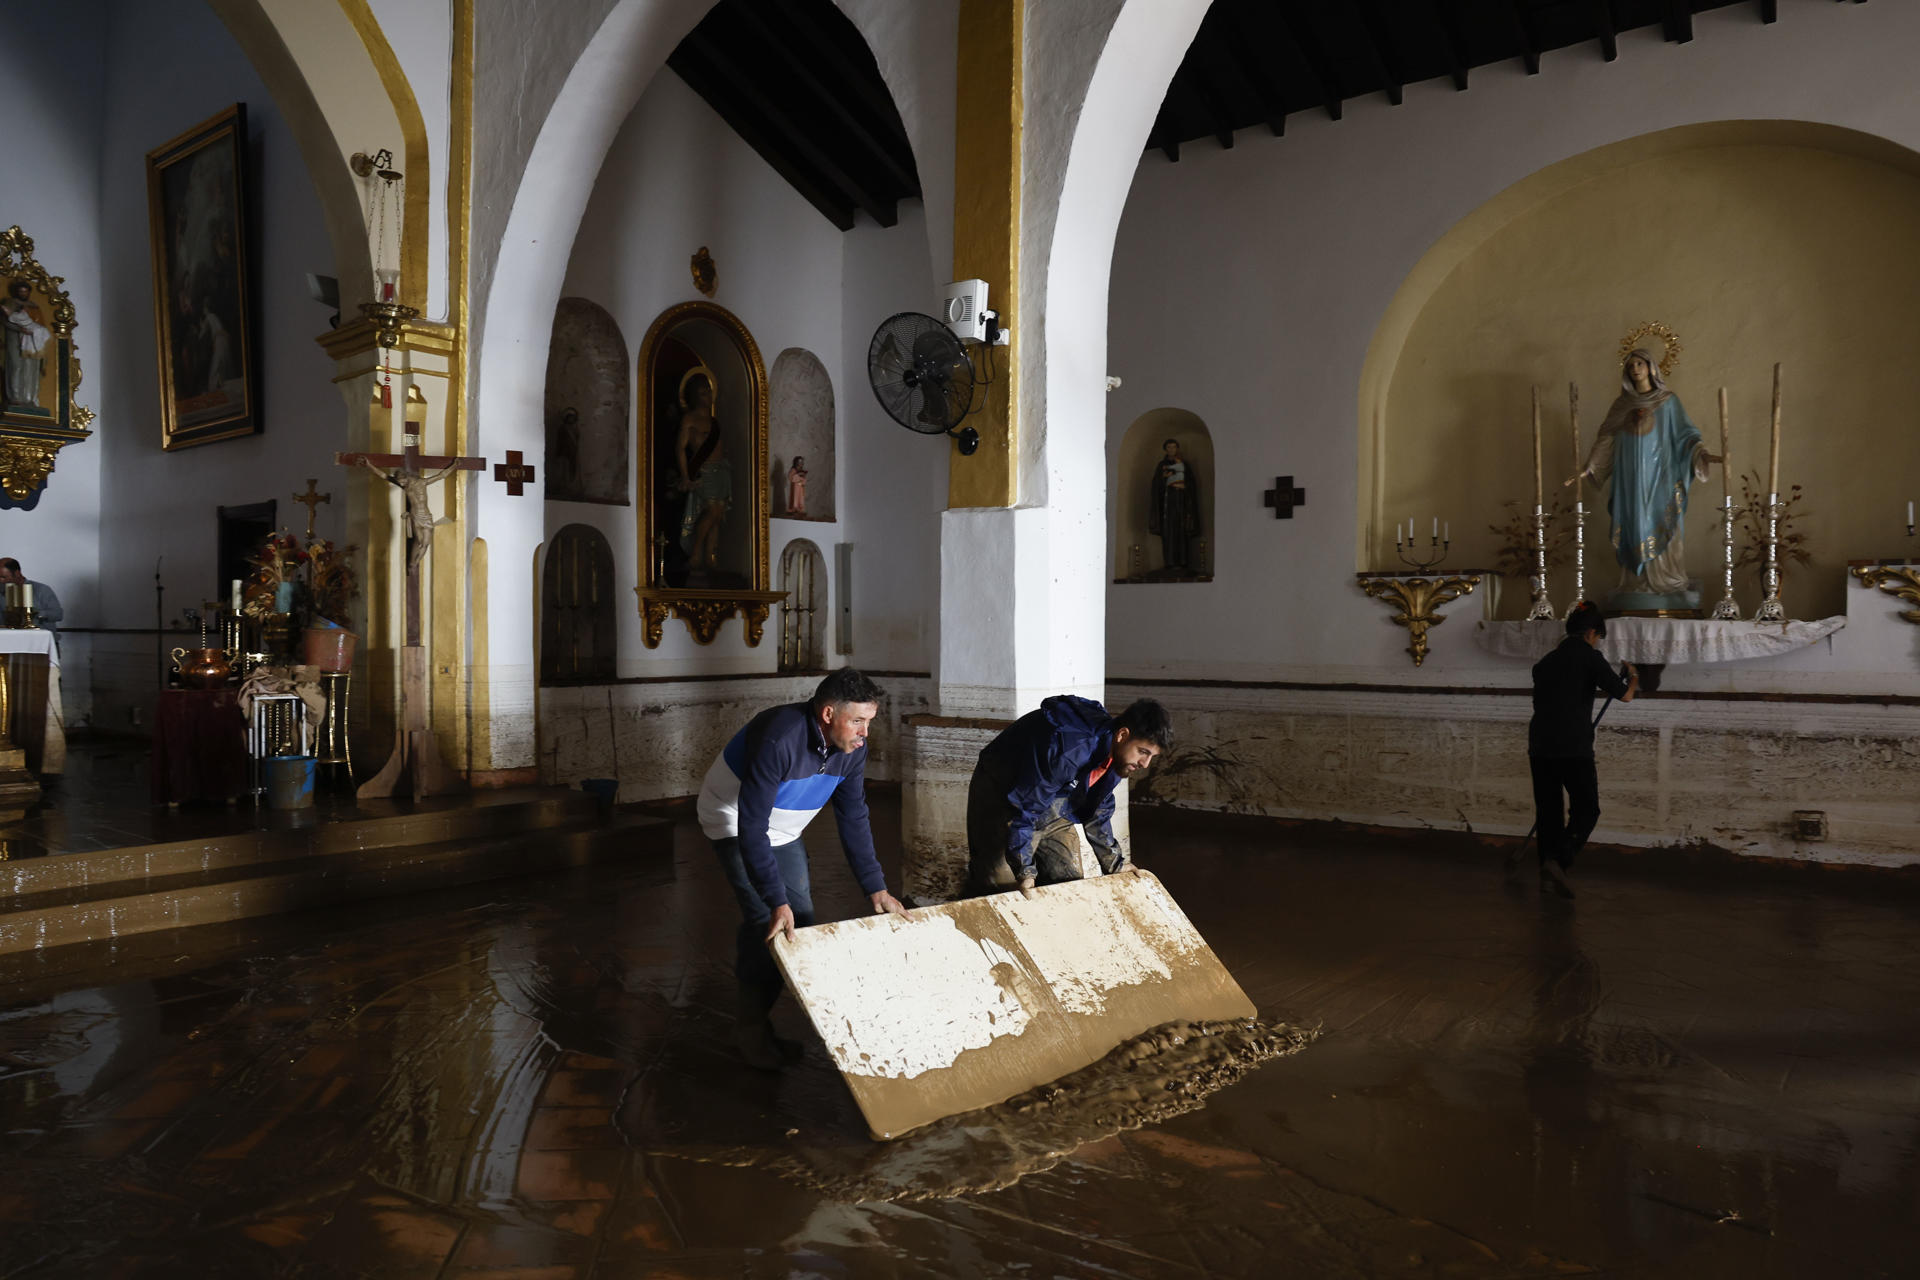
797	486
1647	458
1174	509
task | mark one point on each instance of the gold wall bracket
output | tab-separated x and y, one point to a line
1417	596
703	611
1902	583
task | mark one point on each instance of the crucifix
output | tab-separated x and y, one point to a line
1283	498
414	752
311	500
513	473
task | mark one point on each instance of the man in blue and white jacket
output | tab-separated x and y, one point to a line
761	792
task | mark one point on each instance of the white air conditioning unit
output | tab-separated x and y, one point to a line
963	305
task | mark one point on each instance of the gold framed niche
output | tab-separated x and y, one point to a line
39	412
703	501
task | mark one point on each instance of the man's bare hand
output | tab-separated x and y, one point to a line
1026	886
782	922
885	903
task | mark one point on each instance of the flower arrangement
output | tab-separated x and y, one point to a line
1515	557
315	580
1751	518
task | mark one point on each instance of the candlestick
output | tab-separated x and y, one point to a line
1436	526
1579	501
1909	519
1539	497
1447	536
1773	452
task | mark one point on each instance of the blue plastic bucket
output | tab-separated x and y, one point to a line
290	782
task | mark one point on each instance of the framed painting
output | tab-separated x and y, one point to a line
203	314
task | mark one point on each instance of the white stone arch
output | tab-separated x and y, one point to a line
512	320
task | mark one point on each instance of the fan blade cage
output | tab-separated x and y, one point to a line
920	373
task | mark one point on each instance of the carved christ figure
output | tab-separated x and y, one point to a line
1647	457
420	521
706	476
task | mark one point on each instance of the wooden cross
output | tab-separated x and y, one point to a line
311	500
513	473
414	751
1283	497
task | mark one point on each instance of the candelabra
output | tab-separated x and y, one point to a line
1408	556
1771	610
1728	610
1542	606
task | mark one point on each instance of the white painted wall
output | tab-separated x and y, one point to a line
677	177
55	110
169	65
1248	283
420	32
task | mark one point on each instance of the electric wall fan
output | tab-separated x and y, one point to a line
922	377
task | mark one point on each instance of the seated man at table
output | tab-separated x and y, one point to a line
46	605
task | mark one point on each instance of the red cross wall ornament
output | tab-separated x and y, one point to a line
513	473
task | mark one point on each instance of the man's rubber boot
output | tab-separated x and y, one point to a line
1553	878
753	1032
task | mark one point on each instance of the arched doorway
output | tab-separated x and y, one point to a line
577	627
803	614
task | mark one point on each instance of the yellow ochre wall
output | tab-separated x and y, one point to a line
1756	242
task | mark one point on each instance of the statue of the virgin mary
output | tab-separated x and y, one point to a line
1646	458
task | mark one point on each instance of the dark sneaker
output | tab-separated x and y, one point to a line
1553	878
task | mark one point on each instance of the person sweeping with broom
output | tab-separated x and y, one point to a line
1560	741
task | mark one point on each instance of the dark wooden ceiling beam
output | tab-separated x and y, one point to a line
1325	87
1609	34
1769	10
1679	23
1240	51
1450	42
863	81
1529	47
869	136
1379	49
1217	122
778	127
701	78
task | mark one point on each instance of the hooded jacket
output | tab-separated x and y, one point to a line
1045	758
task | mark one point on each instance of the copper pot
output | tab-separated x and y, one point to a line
202	668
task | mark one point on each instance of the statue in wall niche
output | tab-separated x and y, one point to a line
26	337
797	486
1647	457
1174	509
706	477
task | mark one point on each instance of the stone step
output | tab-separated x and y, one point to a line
114	909
489	814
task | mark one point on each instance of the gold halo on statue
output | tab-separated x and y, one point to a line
1654	329
713	385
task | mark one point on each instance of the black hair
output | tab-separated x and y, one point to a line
10	563
842	686
1147	721
1586	616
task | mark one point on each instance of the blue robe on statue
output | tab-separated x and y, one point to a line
1647	457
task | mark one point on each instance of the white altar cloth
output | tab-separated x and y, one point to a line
28	642
1662	640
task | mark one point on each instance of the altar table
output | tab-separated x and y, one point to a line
30	669
1653	641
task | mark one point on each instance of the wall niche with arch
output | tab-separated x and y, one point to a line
589	403
800	422
1163	500
803	613
578	632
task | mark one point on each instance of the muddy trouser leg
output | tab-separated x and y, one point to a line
1549	811
1583	805
988	815
1056	857
760	983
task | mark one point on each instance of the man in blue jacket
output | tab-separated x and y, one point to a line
1050	769
760	793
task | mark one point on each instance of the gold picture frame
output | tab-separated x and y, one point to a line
202	304
39	373
688	343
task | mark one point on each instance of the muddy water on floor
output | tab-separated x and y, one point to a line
1703	1076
